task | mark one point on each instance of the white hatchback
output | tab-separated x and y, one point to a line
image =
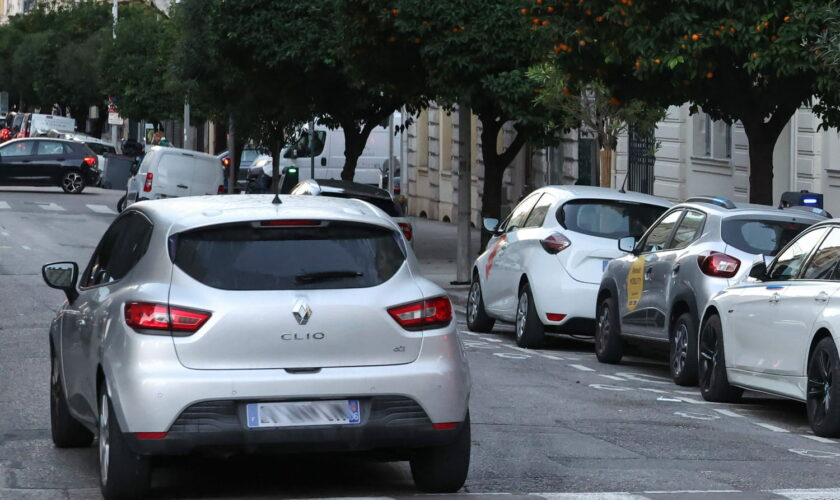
543	265
777	332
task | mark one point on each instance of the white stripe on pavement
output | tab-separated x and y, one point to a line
728	413
807	494
582	368
818	439
101	209
612	377
25	247
771	427
52	207
4	205
592	496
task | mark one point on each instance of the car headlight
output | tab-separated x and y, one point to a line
262	163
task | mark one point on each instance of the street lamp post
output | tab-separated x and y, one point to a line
115	12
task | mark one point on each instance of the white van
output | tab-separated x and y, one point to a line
171	173
35	124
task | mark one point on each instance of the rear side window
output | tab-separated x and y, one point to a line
327	256
608	219
766	237
122	246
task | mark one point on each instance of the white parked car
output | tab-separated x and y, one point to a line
777	332
542	268
172	173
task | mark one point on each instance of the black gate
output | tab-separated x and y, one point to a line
640	161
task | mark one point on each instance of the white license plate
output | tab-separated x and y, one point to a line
303	413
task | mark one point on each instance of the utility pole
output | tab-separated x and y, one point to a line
115	12
187	144
231	155
391	169
312	148
464	252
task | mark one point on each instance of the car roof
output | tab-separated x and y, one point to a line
54	139
742	209
568	192
180	214
350	188
169	150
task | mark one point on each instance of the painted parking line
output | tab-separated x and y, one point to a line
582	368
612	377
101	209
51	207
818	439
728	413
4	206
770	427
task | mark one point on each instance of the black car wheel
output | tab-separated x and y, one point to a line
66	431
121	203
609	346
683	350
73	182
824	389
123	474
443	469
714	383
530	331
477	318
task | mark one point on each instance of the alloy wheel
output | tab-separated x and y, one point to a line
72	182
819	386
472	301
104	444
521	315
680	349
603	330
708	355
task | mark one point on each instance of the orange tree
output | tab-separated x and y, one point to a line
750	61
477	52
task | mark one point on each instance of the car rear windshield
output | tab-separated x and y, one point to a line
388	206
754	236
253	257
608	218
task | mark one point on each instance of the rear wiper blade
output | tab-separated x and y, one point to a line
326	276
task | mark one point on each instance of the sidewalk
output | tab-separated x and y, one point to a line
435	244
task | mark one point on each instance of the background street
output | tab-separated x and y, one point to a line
551	420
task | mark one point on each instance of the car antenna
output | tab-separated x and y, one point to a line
625	182
276	200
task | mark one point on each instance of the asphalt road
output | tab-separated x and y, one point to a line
552	420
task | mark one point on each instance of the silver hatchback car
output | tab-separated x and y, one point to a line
235	324
696	249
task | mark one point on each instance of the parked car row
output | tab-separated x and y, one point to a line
699	277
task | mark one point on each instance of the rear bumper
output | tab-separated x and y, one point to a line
559	293
388	422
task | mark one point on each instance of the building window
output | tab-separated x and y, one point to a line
712	138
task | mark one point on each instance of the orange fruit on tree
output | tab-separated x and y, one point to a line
755	55
710	75
787	18
599	18
695	37
521	11
549	9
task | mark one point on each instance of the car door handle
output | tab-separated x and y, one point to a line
775	298
648	273
183	186
821	297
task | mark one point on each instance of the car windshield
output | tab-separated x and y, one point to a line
608	219
250	155
327	255
756	236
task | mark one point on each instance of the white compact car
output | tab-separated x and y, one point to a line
231	323
172	173
778	331
542	268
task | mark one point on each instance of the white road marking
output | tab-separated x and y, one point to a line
807	494
643	377
52	207
555	358
771	427
592	496
3	233
463	332
696	416
813	454
655	391
25	247
582	368
531	352
676	492
101	209
669	400
511	355
4	205
728	413
608	387
818	439
612	377
690	393
692	401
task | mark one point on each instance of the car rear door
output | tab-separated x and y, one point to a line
206	176
173	175
298	294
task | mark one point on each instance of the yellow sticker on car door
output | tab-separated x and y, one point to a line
635	282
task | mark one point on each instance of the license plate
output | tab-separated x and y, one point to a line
304	413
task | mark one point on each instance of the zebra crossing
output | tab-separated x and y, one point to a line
51	206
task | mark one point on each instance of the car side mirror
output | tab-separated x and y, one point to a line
63	276
758	270
627	244
491	225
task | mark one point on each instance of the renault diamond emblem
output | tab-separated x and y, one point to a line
302	312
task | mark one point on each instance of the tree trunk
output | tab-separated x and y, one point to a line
354	146
762	136
232	155
605	165
276	146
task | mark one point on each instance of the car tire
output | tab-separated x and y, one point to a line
823	395
67	432
73	182
609	346
714	383
443	469
683	350
121	203
530	332
123	474
477	318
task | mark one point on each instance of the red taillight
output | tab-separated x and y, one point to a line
445	426
555	243
147	316
718	264
221	189
90	161
407	230
226	162
150	435
289	223
425	314
555	317
147	186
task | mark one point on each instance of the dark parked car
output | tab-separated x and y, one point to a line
48	162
